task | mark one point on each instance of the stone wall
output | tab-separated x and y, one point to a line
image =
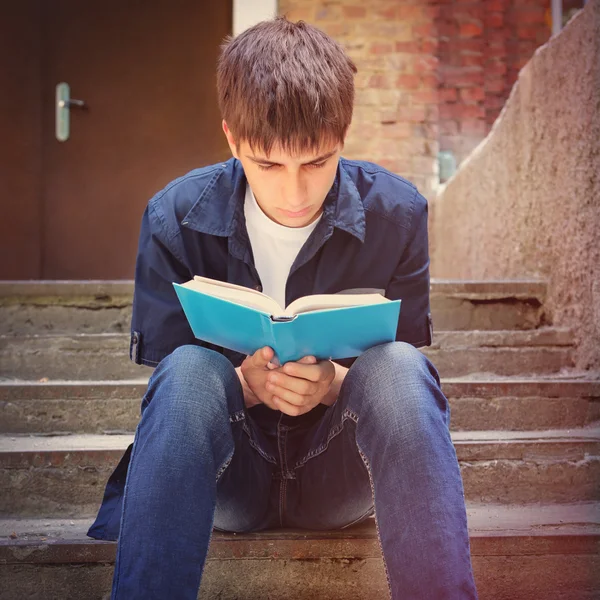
526	203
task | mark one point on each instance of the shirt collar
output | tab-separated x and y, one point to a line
219	208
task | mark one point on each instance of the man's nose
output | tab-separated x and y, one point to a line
295	194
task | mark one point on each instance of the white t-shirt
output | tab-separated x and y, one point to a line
274	247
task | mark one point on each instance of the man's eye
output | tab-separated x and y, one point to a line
318	165
263	168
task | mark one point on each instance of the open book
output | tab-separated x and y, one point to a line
338	325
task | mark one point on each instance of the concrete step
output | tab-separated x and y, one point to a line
32	307
454	353
65	475
114	406
518	552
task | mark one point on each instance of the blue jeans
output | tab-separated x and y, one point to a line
200	460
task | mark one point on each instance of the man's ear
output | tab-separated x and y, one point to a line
230	140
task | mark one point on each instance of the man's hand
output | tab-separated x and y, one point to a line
297	387
254	371
294	388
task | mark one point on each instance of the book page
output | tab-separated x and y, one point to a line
327	301
235	293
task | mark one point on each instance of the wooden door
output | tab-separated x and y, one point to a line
146	71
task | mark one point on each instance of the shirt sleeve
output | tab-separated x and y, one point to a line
158	323
410	282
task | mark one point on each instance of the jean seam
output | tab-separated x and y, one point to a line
266	456
123	512
347	414
368	466
362	517
281	443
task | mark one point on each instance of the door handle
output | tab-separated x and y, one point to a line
64	103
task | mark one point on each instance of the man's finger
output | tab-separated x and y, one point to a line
262	357
297	369
308	360
298	385
290	409
287	395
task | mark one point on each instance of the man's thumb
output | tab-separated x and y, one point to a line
308	360
263	356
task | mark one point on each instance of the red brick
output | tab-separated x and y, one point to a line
468	45
387	13
397	131
425	30
496	36
494	20
432	112
470	30
428	47
423	164
474	127
336	30
432	12
471	60
330	13
462	111
496	52
426	64
429	131
409	11
447	29
354	12
494	101
410	82
462	76
470	111
426	96
407	46
497	5
449	127
448	95
492	115
418	114
497	85
430	81
471	14
520	62
379	80
526	32
496	68
397	165
475	94
531	16
381	48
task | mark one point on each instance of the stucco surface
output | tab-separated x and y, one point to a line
526	203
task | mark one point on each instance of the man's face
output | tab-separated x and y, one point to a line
289	189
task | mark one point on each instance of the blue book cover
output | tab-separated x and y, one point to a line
328	333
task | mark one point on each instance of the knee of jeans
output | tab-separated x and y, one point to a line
192	381
390	361
397	378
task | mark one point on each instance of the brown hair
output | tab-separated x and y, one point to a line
287	83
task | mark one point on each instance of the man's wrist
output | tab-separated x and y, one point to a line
250	398
334	389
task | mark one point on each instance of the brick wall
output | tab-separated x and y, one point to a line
431	75
482	47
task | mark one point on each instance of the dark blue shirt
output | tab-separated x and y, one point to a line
373	234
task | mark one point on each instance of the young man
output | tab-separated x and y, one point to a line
230	441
